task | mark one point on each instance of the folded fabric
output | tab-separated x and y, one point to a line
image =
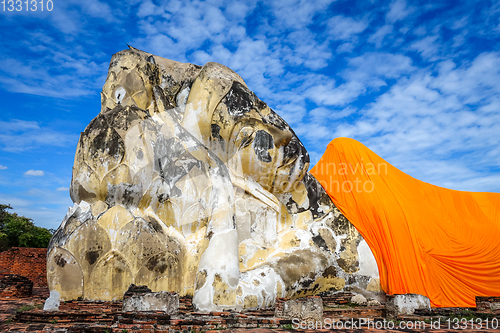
428	240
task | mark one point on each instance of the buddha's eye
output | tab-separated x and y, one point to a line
246	135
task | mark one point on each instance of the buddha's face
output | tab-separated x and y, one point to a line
259	144
271	156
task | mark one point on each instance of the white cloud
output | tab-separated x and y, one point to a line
238	10
460	23
398	11
96	8
18	125
2	167
147	8
438	128
62	189
14	202
428	47
45	213
366	72
378	37
473	83
371	69
21	135
37	173
407	87
345	48
296	14
72	78
301	48
344	28
420	31
329	95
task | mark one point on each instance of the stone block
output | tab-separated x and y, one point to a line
406	304
488	303
359	300
304	309
373	302
52	303
167	302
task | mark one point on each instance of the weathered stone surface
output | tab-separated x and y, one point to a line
406	304
303	309
359	300
133	290
373	302
187	182
52	303
165	301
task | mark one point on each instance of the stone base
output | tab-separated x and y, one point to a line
405	305
165	301
304	309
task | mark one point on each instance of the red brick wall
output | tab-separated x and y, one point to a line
25	261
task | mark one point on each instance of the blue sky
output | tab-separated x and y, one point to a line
418	82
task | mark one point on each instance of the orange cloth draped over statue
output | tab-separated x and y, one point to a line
428	240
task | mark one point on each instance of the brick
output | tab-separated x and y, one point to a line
27	262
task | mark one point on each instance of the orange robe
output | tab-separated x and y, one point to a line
428	240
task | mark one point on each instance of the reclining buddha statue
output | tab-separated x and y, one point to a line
187	182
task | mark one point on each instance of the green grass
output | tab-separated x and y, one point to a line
220	328
25	308
29	307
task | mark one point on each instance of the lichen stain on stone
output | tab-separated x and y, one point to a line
223	295
320	242
328	283
92	256
262	143
237	100
251	301
160	264
299	266
259	257
58	258
329	240
279	289
201	278
374	285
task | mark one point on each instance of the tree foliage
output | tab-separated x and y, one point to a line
20	231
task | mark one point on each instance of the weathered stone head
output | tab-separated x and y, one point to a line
186	181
